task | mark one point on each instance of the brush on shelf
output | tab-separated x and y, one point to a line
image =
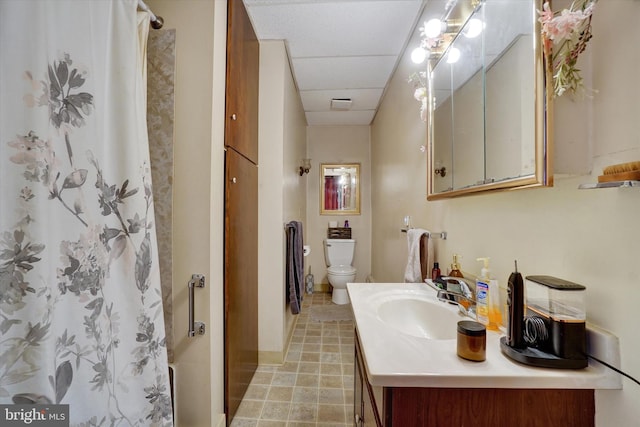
629	171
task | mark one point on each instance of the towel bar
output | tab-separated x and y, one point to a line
439	235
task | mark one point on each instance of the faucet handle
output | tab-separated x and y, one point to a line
466	290
458	285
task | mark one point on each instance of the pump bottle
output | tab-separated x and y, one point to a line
455	267
488	298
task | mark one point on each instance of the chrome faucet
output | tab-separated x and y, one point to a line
459	292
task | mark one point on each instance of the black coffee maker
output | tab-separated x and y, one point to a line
547	326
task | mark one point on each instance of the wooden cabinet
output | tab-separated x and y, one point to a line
241	278
241	208
420	407
243	63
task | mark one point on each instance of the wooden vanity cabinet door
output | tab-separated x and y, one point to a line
368	410
424	407
358	403
365	409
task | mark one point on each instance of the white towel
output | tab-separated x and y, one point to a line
413	273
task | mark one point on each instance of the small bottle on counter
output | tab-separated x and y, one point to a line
435	271
472	340
455	267
346	223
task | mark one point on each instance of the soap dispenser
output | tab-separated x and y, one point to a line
488	298
455	267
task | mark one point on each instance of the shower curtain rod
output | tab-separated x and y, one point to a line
156	21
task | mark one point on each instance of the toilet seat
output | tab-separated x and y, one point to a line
341	270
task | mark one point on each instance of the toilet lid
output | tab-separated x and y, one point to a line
342	270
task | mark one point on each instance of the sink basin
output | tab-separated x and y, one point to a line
420	317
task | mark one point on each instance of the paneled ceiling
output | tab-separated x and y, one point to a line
339	49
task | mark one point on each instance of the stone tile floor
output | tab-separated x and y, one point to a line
314	386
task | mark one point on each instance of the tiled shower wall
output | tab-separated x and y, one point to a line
160	120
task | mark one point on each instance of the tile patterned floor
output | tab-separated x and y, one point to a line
314	387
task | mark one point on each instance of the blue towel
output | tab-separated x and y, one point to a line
294	281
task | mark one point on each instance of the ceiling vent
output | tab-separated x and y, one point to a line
341	103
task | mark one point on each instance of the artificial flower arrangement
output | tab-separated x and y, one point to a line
418	80
565	35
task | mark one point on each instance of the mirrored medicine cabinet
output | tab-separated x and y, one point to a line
489	106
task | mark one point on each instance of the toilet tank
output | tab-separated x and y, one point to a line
339	251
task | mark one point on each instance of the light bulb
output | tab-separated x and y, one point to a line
433	28
473	28
418	55
453	56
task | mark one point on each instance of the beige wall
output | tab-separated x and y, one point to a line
197	213
338	144
586	236
282	193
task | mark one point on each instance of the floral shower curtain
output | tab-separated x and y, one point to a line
80	301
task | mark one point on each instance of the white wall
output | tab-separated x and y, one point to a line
281	193
338	144
585	236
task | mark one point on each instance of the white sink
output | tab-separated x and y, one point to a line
418	315
407	339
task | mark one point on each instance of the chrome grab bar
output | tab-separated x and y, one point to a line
195	328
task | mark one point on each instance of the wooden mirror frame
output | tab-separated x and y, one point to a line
331	207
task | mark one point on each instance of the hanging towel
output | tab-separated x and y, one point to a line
294	280
413	273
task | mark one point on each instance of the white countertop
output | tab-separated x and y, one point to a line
393	358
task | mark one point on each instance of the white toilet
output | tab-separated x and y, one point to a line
338	254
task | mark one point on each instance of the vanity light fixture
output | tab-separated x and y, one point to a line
453	56
473	28
306	166
437	34
418	55
435	27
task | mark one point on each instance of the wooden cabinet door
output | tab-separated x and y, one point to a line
364	409
358	384
368	410
243	63
241	278
241	207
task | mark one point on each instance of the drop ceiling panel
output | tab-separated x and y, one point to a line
320	118
339	49
320	100
360	72
336	28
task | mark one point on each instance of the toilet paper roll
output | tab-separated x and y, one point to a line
306	250
333	224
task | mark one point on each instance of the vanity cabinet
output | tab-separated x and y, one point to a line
477	407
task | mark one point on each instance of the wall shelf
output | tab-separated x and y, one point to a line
611	184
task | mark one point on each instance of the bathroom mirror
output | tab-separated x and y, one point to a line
489	109
340	189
